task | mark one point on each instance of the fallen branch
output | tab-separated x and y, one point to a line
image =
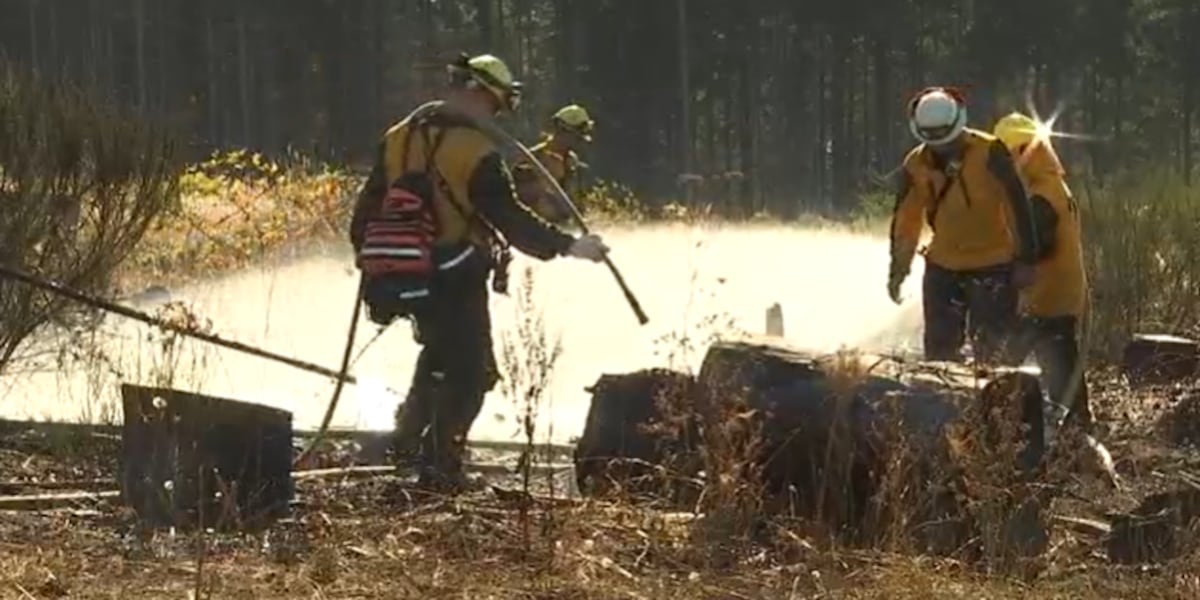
358	472
10	427
16	487
1084	526
35	502
27	502
503	469
564	449
349	472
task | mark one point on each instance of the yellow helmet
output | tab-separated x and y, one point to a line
1016	130
491	74
575	118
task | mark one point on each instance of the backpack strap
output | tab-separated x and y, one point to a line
952	178
439	181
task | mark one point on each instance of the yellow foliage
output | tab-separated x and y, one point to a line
237	208
608	200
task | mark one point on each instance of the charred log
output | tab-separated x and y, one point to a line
1160	359
190	460
640	436
822	438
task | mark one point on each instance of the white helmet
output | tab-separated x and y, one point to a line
937	116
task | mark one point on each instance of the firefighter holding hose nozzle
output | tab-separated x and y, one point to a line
570	130
431	222
964	185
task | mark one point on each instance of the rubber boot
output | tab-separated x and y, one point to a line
414	415
444	444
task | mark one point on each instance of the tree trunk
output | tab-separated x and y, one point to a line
1118	116
93	58
685	98
213	99
884	106
749	130
56	58
378	63
840	85
820	153
165	21
1186	129
483	18
244	75
139	12
33	37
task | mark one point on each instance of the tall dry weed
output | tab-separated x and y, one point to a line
529	356
1142	248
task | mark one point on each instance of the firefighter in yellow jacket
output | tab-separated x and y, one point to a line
472	199
570	129
1054	305
964	185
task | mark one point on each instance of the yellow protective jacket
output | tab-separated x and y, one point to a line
1060	284
976	206
562	167
476	194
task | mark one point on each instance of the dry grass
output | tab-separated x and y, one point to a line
1143	253
360	539
364	539
356	539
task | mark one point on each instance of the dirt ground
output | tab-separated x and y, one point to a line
373	538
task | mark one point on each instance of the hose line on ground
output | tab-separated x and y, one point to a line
341	380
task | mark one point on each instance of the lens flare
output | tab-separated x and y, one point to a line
1045	130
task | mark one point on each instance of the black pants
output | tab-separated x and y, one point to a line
981	302
1055	346
455	369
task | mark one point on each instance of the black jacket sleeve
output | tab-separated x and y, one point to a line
369	197
492	194
1001	165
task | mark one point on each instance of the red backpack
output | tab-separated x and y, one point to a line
396	256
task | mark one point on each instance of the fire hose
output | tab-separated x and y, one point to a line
506	141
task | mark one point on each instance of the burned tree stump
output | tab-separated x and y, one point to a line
736	368
640	435
1160	359
823	449
189	460
1181	424
1151	532
865	454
